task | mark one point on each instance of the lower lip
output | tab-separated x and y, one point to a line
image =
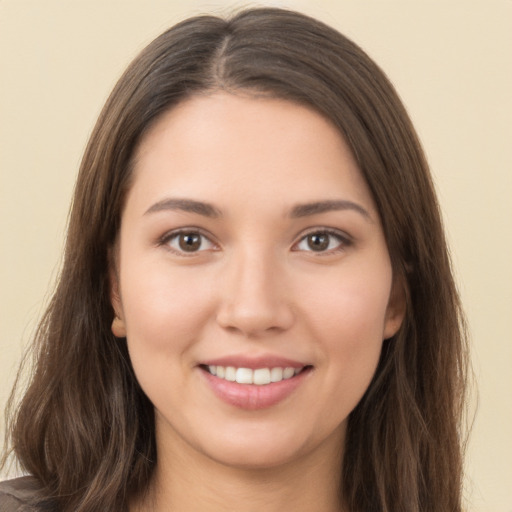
252	397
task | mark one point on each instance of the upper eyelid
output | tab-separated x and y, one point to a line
345	239
169	235
188	229
324	229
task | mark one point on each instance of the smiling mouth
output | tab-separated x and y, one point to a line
258	376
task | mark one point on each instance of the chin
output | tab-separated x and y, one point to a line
254	459
269	447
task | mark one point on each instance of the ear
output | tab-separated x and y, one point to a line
118	325
395	311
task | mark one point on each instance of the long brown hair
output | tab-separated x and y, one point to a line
85	429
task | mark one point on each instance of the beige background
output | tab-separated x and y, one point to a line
450	60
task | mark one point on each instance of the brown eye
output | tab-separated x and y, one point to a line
318	241
188	242
322	241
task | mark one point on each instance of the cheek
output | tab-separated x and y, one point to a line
163	309
165	314
349	324
354	305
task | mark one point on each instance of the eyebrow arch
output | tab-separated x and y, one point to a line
185	205
306	209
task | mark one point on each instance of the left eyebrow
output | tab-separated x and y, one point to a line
315	208
185	205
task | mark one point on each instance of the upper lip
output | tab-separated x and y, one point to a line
264	361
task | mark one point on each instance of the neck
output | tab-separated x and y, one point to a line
184	481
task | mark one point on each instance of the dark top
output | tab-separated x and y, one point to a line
16	495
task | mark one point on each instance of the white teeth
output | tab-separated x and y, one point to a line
276	374
244	376
288	372
259	377
230	373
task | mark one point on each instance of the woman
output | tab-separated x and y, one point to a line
256	308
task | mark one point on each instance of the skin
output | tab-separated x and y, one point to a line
256	286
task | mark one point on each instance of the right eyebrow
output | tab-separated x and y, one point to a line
318	207
185	205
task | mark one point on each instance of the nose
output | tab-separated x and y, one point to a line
254	298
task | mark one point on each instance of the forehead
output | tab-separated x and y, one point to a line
214	144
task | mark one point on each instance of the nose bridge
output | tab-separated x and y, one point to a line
255	278
254	293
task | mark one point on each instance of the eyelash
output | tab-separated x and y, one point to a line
174	235
344	241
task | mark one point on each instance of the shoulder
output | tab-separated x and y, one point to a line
18	494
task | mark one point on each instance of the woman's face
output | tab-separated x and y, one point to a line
253	281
